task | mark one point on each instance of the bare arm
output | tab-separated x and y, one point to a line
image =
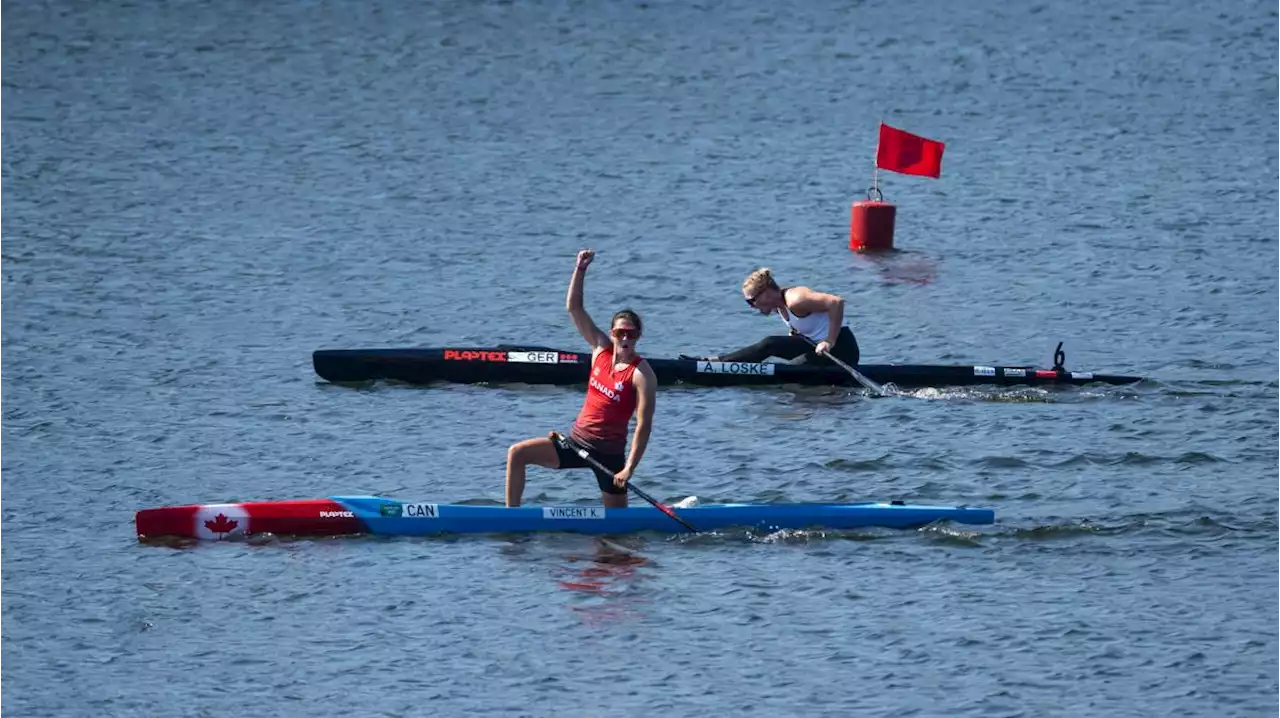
573	303
646	397
806	301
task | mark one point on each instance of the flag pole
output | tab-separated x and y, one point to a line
875	171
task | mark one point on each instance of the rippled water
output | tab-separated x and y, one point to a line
197	195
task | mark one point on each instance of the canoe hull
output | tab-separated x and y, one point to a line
551	366
351	515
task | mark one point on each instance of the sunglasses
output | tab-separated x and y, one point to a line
624	333
751	300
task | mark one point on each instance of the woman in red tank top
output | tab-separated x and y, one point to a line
621	384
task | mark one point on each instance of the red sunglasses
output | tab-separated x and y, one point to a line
624	333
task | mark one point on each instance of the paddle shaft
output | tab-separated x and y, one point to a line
859	376
862	379
586	456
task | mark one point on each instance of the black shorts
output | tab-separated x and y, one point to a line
569	459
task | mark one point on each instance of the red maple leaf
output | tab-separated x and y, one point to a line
221	525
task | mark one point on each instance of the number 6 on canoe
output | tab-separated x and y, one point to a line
587	457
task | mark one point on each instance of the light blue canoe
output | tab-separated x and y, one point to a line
345	515
395	518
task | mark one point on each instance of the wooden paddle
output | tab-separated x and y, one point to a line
586	456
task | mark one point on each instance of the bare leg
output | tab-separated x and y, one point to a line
613	501
538	451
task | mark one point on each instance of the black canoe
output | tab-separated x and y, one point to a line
540	365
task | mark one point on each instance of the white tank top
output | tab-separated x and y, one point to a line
815	326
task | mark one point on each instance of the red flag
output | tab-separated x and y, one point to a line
909	154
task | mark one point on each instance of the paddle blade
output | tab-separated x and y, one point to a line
660	506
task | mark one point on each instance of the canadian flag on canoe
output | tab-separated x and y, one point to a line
224	521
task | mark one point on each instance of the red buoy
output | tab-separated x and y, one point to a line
871	227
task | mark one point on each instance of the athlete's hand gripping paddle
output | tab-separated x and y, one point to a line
859	376
587	457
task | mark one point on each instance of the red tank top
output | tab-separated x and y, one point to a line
606	412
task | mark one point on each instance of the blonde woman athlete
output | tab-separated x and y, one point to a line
814	318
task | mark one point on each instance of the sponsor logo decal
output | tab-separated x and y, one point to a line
337	515
1081	375
568	357
984	371
421	511
473	355
572	512
533	357
735	367
391	510
1046	374
1015	372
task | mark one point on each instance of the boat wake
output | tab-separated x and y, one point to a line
1196	523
